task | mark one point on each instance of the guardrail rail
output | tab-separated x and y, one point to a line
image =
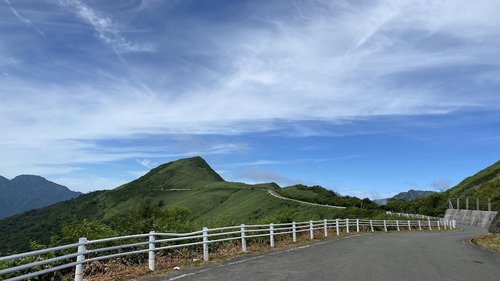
87	251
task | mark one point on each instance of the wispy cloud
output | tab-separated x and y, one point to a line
146	163
264	162
278	70
24	20
106	29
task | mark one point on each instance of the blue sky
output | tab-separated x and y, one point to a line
368	98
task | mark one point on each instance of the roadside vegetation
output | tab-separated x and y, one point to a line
320	195
148	216
483	185
489	241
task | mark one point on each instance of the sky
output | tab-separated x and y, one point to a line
366	98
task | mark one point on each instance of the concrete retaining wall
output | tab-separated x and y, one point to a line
469	217
495	224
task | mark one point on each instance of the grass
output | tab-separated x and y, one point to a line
211	201
122	269
489	241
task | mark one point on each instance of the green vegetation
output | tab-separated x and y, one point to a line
483	185
188	188
490	241
320	195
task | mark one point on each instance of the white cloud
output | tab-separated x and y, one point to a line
25	21
106	29
332	63
146	163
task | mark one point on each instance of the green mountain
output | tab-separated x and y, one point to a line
187	184
483	185
411	194
321	195
27	192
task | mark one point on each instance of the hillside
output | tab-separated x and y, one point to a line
187	184
483	185
408	195
27	192
320	195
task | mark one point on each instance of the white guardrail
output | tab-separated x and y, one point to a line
88	251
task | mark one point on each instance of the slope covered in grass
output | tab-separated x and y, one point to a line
187	183
483	185
320	195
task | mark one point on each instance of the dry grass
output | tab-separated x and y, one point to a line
489	241
124	269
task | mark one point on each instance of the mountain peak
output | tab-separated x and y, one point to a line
193	166
3	179
26	192
182	173
28	177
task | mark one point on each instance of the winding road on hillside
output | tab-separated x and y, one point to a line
302	202
384	256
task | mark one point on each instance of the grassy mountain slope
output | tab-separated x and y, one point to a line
321	195
483	185
210	200
27	192
411	194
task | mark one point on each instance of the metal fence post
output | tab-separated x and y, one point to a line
205	243
311	230
243	239
294	232
409	225
477	204
325	223
151	253
397	224
347	225
371	225
337	226
357	225
271	234
80	258
489	204
429	222
385	226
419	225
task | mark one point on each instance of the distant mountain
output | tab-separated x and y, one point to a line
320	195
27	192
407	196
189	184
413	194
483	185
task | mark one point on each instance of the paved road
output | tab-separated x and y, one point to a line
390	256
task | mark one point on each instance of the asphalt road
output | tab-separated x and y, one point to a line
385	256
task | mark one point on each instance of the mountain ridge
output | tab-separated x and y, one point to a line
25	192
409	195
483	184
188	184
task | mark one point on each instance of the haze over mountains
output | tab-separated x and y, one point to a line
26	192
